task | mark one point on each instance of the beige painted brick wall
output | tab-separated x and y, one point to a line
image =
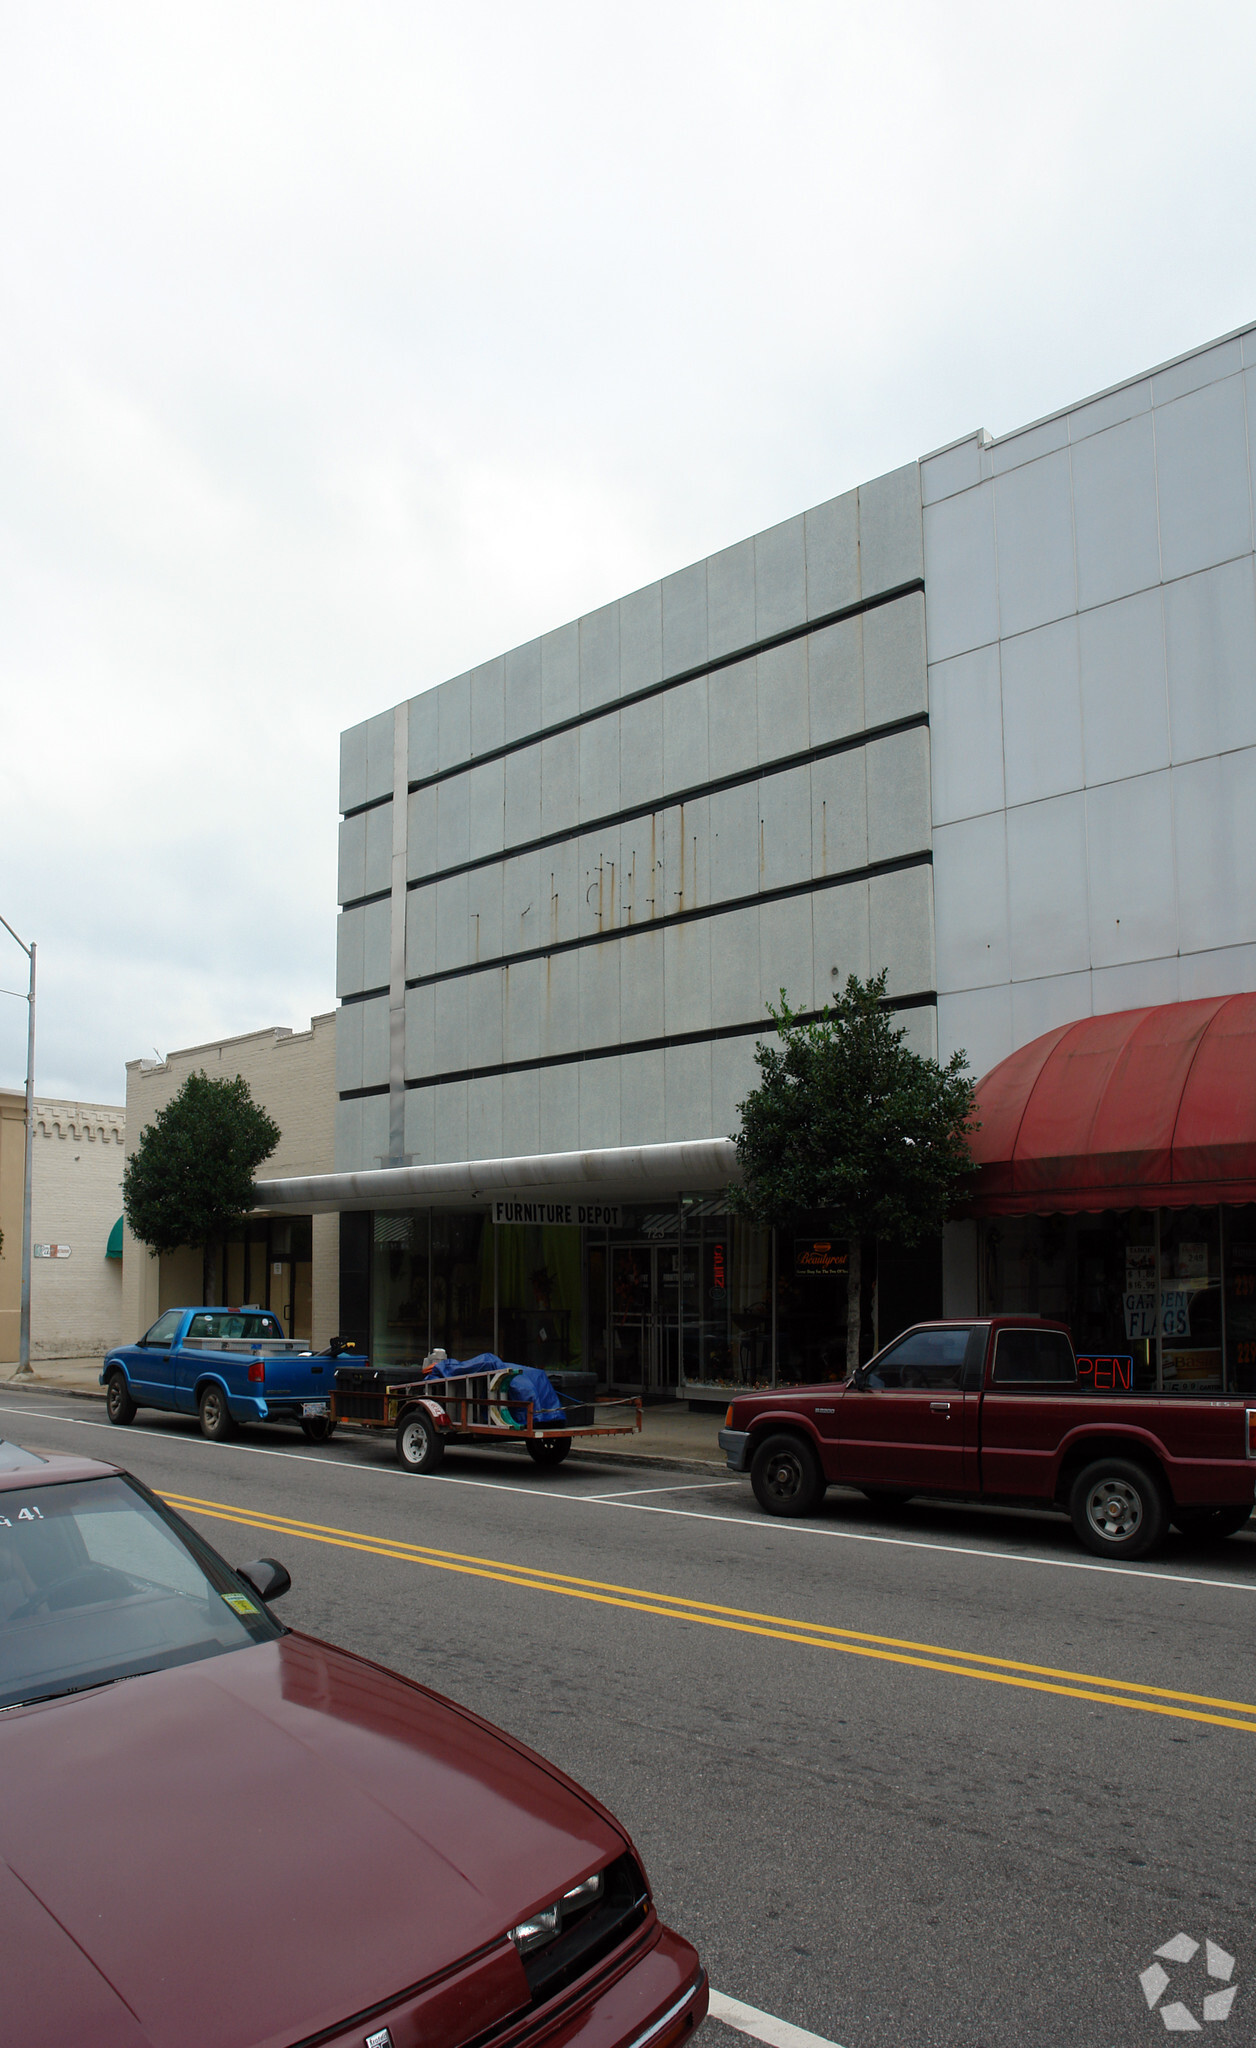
12	1172
293	1075
76	1198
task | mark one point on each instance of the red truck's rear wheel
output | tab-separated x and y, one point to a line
786	1477
1211	1524
1118	1508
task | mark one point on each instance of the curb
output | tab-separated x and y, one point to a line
653	1460
38	1386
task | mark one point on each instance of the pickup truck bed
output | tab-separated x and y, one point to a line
227	1366
993	1410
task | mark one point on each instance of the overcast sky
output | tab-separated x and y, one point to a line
345	346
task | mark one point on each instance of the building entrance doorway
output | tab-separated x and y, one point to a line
648	1284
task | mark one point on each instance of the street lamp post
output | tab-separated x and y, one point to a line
24	1331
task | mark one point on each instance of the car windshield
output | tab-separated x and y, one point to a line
98	1583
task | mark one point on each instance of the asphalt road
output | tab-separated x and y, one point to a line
904	1780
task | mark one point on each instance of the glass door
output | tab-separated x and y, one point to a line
645	1317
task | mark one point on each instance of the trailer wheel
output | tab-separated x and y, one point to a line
548	1450
1117	1508
786	1477
317	1429
1210	1524
119	1406
419	1448
216	1422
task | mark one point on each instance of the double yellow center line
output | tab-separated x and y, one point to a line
1074	1685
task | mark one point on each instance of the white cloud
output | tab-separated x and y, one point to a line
347	346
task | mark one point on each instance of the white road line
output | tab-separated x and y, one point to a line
700	1486
763	2026
760	1524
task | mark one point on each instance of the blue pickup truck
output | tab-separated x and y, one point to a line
227	1365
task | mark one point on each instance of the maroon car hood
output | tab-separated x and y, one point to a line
264	1845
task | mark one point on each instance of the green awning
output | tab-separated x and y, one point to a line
113	1250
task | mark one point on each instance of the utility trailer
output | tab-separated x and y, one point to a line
427	1415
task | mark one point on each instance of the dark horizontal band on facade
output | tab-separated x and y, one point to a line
671	800
726	907
922	999
697	915
672	682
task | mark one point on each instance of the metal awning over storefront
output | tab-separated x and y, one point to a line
1152	1108
627	1173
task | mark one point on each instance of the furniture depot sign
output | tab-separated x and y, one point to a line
601	1215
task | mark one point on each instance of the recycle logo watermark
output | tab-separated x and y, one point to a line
1176	2014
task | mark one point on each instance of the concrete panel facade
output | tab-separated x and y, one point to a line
624	839
1091	625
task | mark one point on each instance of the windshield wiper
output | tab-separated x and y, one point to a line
62	1692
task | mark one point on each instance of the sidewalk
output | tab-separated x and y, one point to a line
669	1434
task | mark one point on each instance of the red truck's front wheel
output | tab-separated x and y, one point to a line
786	1477
1118	1508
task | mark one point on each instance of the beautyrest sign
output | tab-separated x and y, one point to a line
601	1215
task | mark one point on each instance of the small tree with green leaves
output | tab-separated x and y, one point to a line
849	1120
190	1179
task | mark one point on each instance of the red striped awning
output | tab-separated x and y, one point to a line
1150	1108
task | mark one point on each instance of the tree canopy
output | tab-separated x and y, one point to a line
190	1179
848	1120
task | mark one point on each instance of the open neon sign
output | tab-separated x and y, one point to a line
1110	1372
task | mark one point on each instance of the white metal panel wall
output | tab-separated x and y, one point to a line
1091	624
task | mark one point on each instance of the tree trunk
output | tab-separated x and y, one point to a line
854	1293
209	1289
868	1265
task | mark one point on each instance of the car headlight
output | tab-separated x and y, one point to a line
541	1927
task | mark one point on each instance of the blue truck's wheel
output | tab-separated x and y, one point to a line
215	1415
786	1477
419	1448
119	1406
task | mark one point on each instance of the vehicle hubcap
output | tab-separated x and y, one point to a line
415	1441
1114	1509
784	1477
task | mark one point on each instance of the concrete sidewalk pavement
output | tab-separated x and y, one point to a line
670	1433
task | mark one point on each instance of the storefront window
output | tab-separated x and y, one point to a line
399	1287
1097	1273
1154	1299
540	1307
1190	1300
1239	1298
811	1269
462	1284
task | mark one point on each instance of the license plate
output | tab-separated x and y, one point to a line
313	1407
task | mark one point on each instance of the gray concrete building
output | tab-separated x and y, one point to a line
987	722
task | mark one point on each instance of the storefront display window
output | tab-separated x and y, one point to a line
400	1330
539	1295
1239	1298
811	1269
1154	1298
1190	1300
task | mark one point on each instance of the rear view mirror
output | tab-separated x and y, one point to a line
267	1577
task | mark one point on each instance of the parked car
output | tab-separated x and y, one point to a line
225	1365
995	1410
217	1832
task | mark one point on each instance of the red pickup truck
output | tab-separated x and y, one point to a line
994	1410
